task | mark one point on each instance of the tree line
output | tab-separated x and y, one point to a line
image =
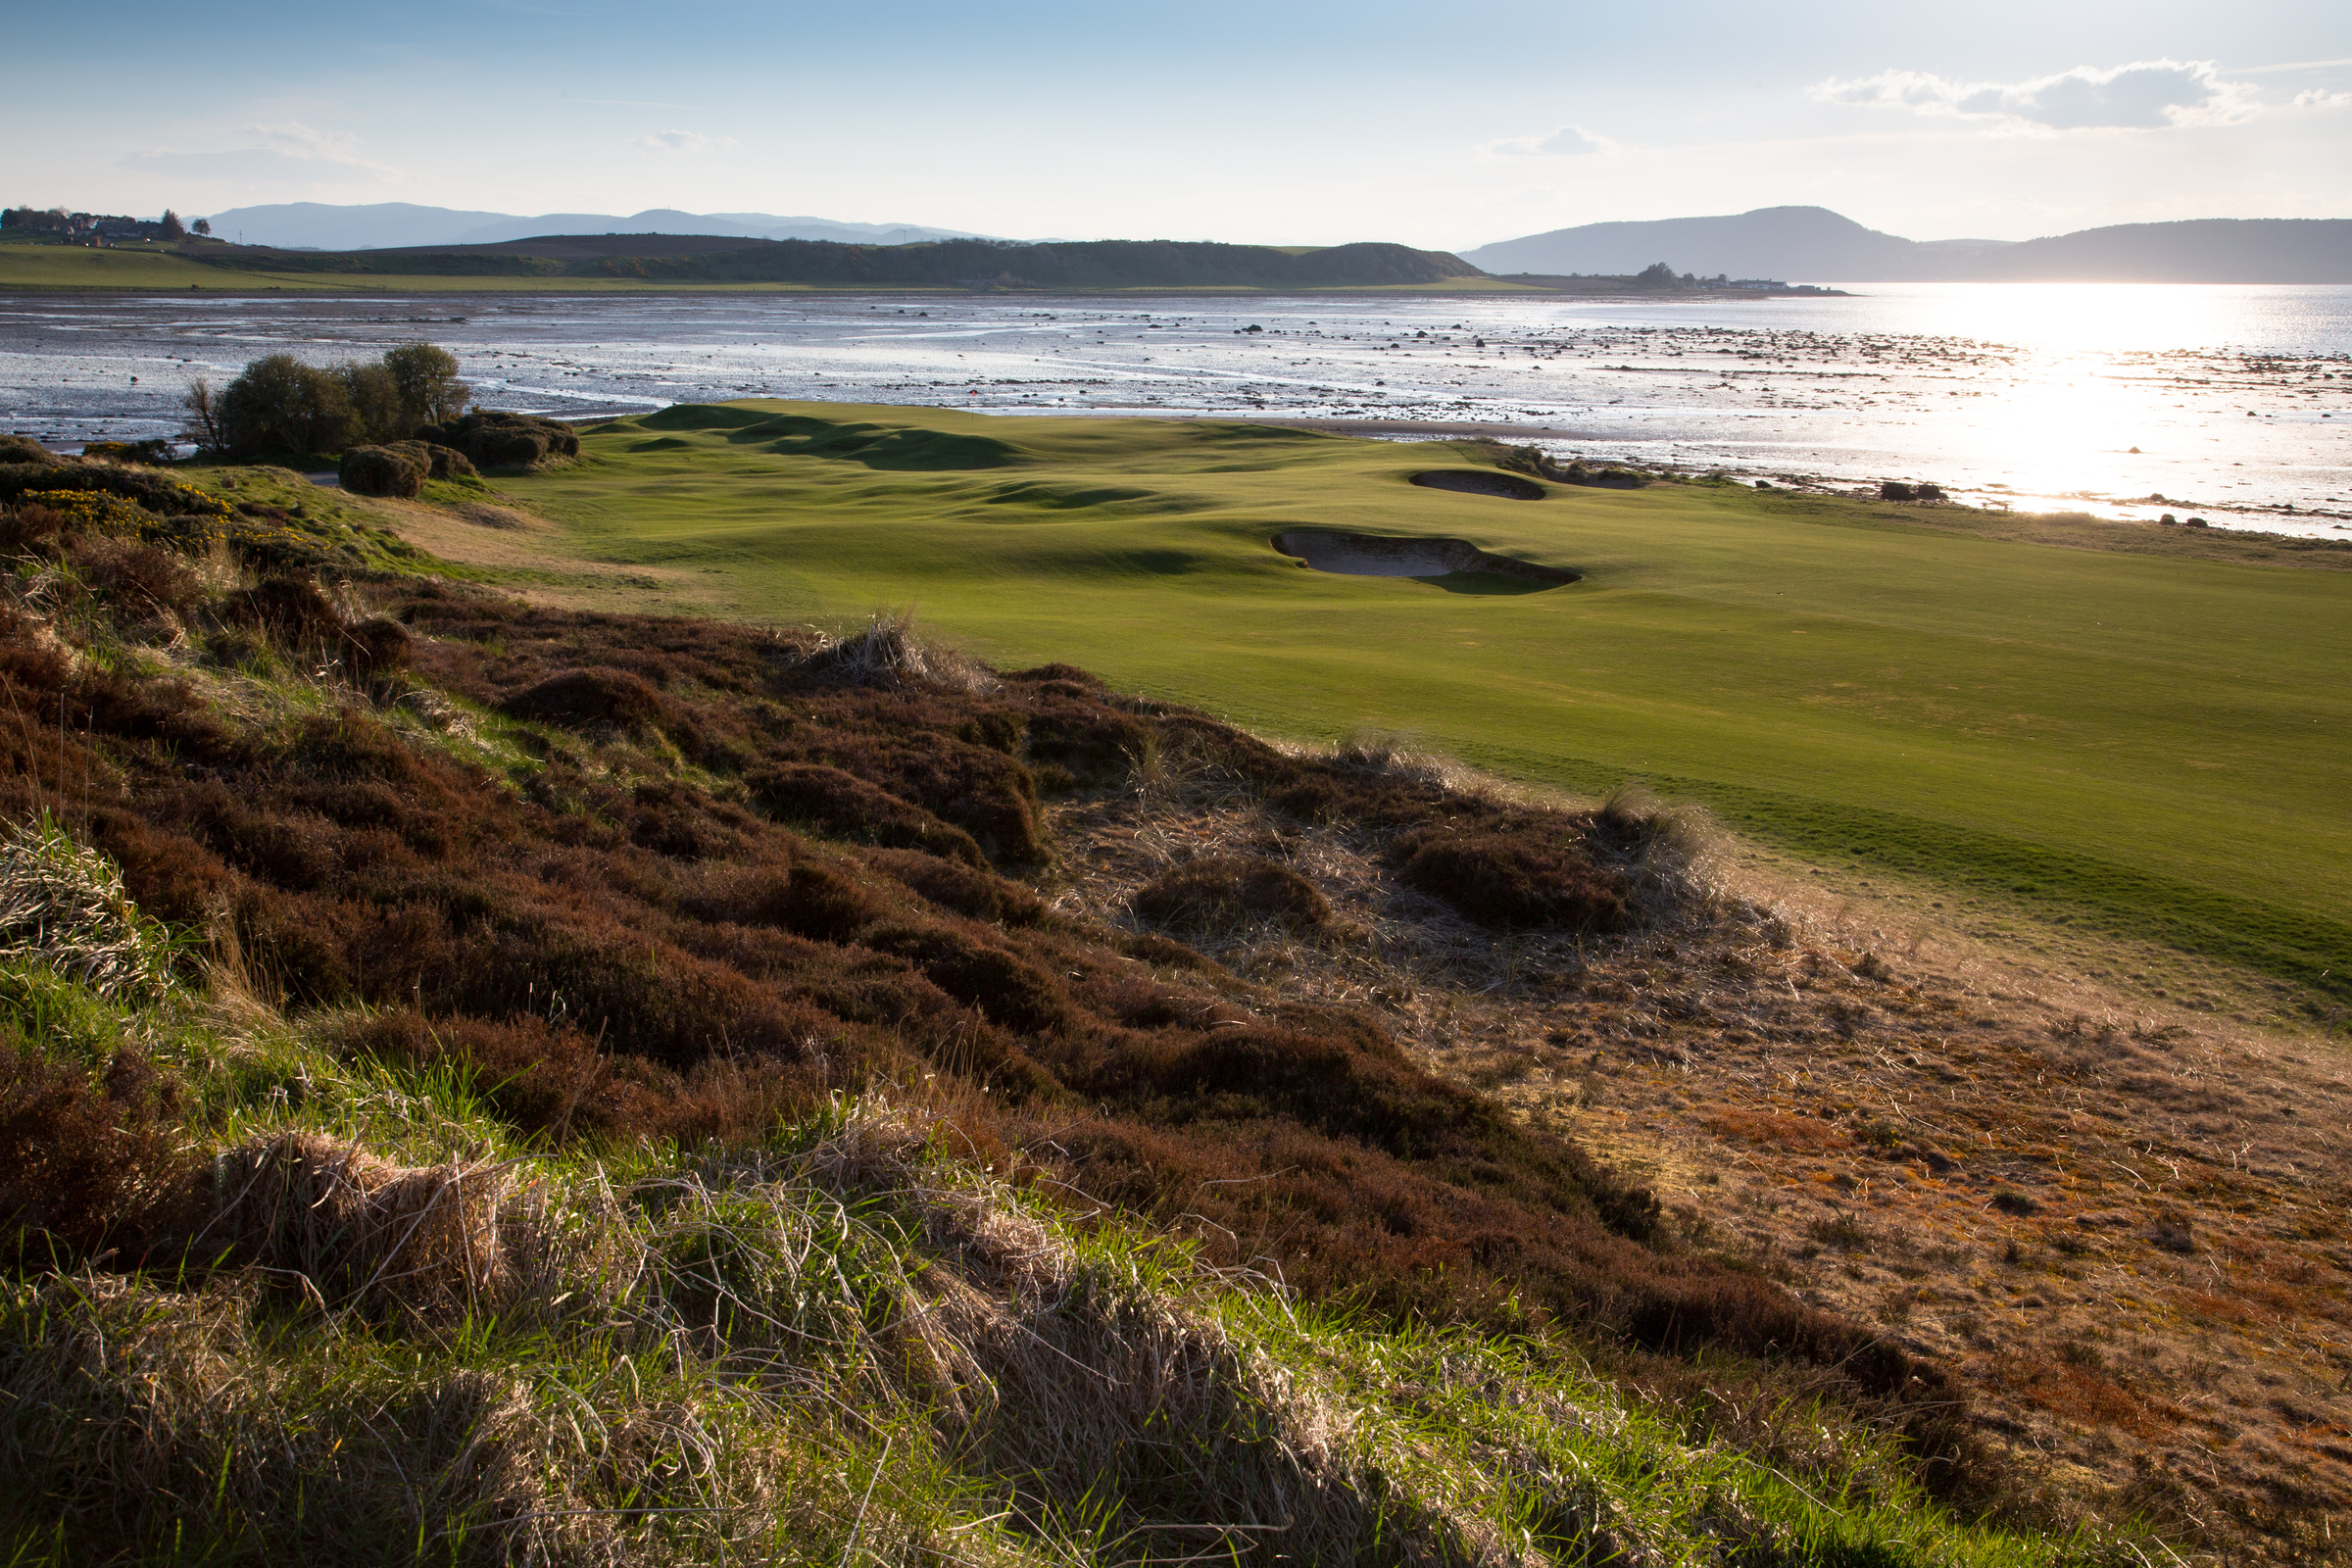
61	221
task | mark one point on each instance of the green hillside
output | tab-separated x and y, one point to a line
582	265
948	264
2151	745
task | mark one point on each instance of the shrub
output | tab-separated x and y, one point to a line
84	1167
95	513
496	439
144	578
30	529
154	451
24	449
617	947
807	899
291	610
1097	744
1523	877
998	984
952	885
383	471
155	492
376	646
1232	890
448	463
844	806
546	1079
584	699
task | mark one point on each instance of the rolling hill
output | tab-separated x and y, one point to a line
1815	243
321	226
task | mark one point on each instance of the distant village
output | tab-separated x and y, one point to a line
98	230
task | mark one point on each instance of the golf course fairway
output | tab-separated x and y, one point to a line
2150	744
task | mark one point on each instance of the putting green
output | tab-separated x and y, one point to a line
2156	742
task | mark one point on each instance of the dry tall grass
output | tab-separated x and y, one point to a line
889	652
64	904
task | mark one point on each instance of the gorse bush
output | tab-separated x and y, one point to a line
381	471
494	439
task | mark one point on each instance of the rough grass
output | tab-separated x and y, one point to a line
845	1342
575	1143
633	867
2016	716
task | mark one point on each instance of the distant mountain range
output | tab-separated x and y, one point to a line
317	225
1815	244
1797	243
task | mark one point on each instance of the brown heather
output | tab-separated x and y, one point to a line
744	872
1350	1020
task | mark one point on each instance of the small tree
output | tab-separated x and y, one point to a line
431	392
203	227
375	401
204	418
281	405
172	228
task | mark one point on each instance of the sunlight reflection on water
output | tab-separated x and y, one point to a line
2236	398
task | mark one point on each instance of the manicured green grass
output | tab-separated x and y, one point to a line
44	266
2154	744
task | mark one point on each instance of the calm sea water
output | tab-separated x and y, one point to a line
2230	402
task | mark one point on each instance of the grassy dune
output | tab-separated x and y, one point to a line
2147	743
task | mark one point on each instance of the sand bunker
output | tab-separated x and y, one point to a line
1363	555
1481	482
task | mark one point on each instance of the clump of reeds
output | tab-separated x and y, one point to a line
65	904
355	1230
888	653
1666	851
1386	754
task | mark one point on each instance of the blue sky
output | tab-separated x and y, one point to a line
1271	121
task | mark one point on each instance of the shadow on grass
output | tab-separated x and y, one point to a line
1487	582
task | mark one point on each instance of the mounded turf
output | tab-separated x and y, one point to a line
2154	744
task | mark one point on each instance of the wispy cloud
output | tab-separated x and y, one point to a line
1567	141
2144	95
681	141
2290	65
289	153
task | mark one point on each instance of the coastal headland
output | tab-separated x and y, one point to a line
670	264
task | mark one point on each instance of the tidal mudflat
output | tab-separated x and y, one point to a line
2233	404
